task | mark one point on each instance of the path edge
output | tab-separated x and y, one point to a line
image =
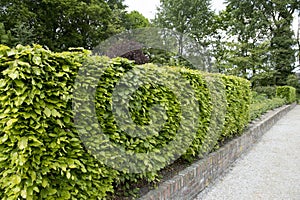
195	178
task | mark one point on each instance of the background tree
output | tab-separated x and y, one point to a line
191	18
22	34
282	41
298	39
59	24
264	40
5	37
134	20
116	4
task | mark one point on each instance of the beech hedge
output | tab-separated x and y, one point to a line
261	104
41	156
42	153
286	92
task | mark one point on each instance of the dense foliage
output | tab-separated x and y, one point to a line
41	153
187	19
260	43
268	91
286	92
261	103
60	24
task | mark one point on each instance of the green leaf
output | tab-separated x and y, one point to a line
13	75
68	175
19	83
45	182
36	71
3	138
11	52
47	112
23	143
11	122
67	119
3	115
24	193
16	179
37	60
65	68
3	82
52	191
26	115
20	100
55	113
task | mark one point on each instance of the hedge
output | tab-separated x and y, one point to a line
261	104
269	91
42	154
286	92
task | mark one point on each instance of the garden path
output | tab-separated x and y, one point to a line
270	170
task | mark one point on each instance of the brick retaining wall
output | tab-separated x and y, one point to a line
192	180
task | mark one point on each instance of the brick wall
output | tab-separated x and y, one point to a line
192	180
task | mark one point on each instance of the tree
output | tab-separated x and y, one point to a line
188	18
113	4
255	23
118	14
5	36
134	20
298	39
23	34
292	80
59	24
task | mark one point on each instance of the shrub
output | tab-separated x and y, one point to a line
286	92
236	102
238	95
229	100
41	154
269	91
261	106
41	151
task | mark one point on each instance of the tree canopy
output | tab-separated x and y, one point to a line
191	17
134	20
260	40
60	24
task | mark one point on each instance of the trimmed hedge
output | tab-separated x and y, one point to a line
238	95
261	104
269	91
286	92
41	152
230	99
41	156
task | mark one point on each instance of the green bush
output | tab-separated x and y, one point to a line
41	152
261	105
41	156
206	86
286	92
238	95
269	91
230	99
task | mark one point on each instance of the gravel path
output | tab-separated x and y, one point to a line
270	170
